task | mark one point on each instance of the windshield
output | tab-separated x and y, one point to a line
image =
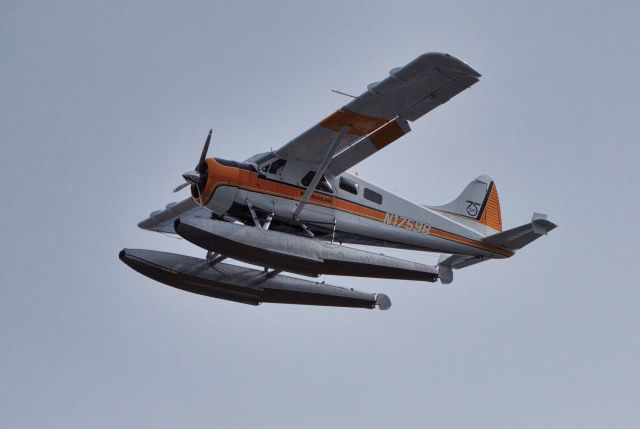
261	158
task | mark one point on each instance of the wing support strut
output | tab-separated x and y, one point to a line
267	222
256	221
323	167
307	230
214	258
272	273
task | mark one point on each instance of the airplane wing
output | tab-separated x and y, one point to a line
162	220
380	115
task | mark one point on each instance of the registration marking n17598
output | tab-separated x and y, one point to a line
406	223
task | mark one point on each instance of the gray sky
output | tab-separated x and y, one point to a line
105	104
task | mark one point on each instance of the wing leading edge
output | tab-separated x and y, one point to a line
162	220
380	115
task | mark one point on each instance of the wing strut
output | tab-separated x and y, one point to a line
323	167
256	221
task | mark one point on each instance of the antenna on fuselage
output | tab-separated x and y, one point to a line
343	93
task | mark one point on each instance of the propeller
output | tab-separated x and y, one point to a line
197	178
181	187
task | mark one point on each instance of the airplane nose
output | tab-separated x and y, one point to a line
193	177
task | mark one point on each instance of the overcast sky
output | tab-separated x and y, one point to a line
104	105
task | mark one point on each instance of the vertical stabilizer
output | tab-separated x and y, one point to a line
479	201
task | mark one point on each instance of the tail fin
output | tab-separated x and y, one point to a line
479	201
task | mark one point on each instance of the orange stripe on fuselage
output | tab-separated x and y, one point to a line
222	175
469	242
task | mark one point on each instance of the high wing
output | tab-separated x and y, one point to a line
379	116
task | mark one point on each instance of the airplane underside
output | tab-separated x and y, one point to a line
277	252
248	234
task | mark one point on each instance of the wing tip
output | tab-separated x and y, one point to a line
449	61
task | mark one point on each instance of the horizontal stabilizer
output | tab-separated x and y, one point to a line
512	239
520	236
448	263
459	261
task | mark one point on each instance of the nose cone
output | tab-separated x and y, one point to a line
192	177
213	174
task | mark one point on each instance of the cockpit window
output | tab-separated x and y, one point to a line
261	158
277	166
323	184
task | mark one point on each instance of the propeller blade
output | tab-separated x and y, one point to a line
179	188
194	177
205	149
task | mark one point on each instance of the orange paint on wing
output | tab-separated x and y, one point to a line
360	125
387	134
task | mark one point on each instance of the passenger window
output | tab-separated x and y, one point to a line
349	186
277	166
372	196
323	184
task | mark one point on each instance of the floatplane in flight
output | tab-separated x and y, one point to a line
297	209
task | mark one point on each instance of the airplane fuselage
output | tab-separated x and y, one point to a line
343	208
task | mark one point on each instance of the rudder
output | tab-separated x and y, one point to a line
479	201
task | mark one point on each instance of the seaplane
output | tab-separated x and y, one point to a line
298	210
